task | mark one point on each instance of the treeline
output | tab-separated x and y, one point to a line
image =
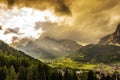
20	68
13	68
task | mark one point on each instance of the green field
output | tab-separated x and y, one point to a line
69	63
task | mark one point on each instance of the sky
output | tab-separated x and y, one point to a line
84	21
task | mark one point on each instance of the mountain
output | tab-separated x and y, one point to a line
97	54
113	38
107	50
49	48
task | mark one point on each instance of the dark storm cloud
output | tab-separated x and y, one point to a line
59	6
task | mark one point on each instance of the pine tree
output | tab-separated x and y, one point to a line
74	75
2	74
116	76
22	73
67	75
91	75
40	72
11	75
102	76
30	74
108	77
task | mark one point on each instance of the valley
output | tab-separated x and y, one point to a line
59	40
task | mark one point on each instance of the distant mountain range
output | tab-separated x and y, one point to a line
49	48
113	39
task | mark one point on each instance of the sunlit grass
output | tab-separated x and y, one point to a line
65	63
69	63
88	66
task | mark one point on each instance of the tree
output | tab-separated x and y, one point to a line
30	74
60	76
3	72
91	75
40	72
116	76
108	77
74	75
67	75
102	76
22	73
11	75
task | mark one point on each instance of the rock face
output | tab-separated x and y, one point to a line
49	48
113	38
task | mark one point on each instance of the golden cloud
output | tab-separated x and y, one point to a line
91	19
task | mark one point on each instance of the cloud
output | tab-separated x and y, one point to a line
16	41
45	25
91	19
9	30
59	6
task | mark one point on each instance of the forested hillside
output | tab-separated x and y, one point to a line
97	54
15	65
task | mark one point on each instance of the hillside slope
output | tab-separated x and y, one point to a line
106	51
97	53
16	65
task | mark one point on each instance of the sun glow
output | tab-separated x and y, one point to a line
24	19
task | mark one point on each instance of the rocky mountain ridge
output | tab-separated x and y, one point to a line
113	39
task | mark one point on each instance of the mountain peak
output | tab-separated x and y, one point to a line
117	32
118	27
113	38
